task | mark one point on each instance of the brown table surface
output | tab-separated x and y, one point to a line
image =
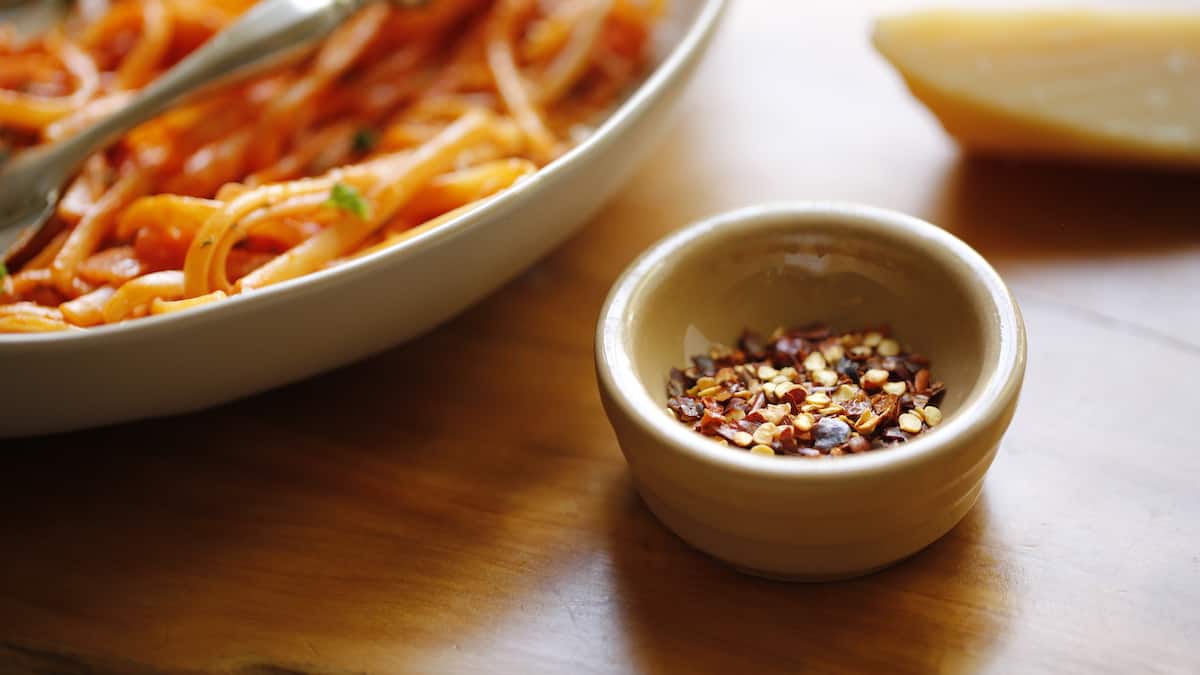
459	504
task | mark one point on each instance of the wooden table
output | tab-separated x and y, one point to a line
459	504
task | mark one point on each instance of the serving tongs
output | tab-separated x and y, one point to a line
265	35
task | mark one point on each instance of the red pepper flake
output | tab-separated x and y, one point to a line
710	422
677	384
686	408
808	392
796	397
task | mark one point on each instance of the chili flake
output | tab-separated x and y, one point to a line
807	392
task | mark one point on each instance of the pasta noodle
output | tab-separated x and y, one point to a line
404	118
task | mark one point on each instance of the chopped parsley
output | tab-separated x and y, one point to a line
3	271
347	198
365	140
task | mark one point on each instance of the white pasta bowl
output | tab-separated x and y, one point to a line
176	363
788	265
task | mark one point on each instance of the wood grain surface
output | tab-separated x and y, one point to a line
459	504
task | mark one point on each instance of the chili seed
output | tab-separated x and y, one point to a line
933	415
861	352
867	422
774	413
910	423
845	393
765	433
888	347
825	378
834	352
814	361
875	378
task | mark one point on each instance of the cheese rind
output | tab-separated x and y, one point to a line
1121	87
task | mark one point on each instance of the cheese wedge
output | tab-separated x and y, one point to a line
1082	85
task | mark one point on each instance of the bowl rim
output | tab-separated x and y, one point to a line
1002	376
688	48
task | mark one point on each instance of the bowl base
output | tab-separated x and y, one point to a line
678	524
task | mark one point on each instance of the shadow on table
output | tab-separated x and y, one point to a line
940	610
1009	209
310	525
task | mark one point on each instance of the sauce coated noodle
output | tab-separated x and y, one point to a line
405	117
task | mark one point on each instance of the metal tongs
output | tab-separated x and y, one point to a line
267	34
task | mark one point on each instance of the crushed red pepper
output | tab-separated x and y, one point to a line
808	392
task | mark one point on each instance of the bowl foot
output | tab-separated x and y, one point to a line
681	525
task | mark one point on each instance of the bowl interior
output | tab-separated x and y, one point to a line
848	269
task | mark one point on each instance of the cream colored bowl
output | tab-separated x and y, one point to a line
790	264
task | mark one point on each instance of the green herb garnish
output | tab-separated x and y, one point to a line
347	198
365	140
3	270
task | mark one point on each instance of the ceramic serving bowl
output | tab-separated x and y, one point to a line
175	363
791	264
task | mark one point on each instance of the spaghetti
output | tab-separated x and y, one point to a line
405	117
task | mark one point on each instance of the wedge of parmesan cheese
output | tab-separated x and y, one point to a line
1120	87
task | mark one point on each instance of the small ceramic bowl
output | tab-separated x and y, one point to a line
786	265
